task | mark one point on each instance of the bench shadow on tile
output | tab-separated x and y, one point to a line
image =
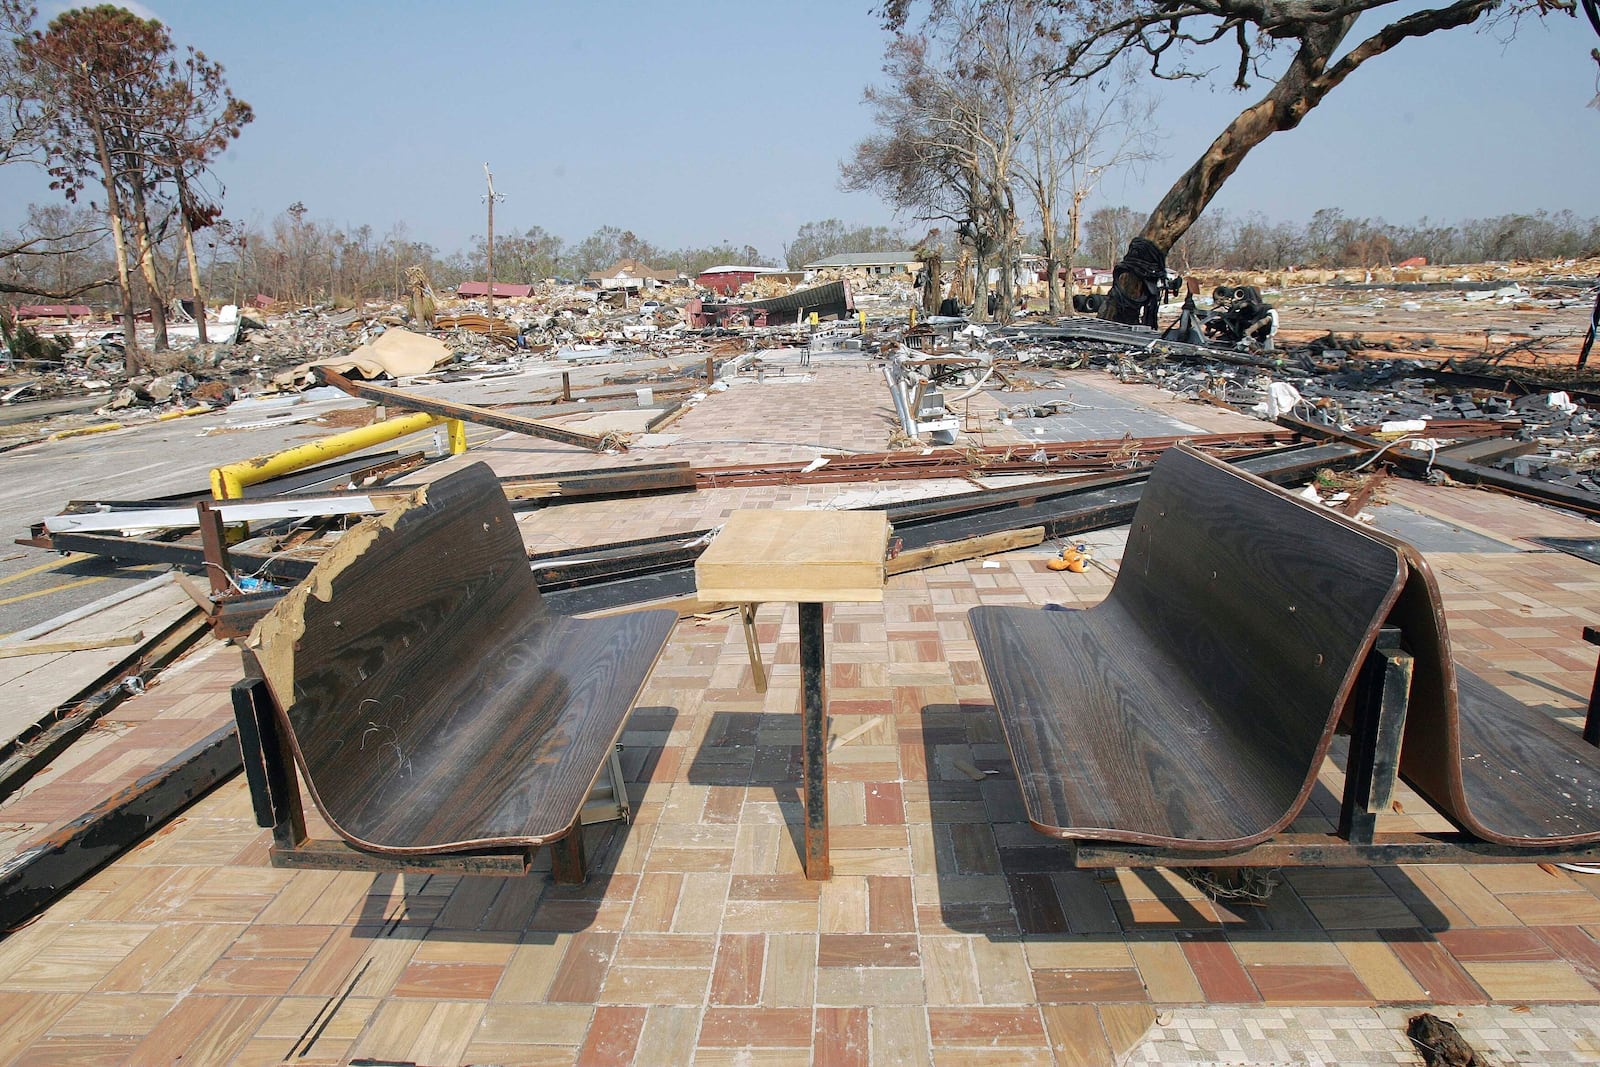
759	750
1000	877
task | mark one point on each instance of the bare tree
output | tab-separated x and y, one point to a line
1170	34
198	117
1078	139
962	97
103	68
55	255
26	111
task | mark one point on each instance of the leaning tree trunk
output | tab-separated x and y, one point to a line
131	363
1299	90
147	262
1302	87
194	263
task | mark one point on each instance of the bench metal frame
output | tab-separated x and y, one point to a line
275	794
1371	768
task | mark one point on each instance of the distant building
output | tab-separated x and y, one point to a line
53	311
504	289
868	264
727	279
631	274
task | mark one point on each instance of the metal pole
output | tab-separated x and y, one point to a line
489	266
814	740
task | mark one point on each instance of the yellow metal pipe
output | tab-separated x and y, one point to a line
458	436
84	431
227	483
198	409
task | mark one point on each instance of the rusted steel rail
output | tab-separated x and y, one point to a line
1125	453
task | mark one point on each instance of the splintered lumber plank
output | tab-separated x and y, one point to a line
968	548
82	644
33	687
468	413
572	485
846	738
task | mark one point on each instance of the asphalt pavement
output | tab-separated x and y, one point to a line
145	461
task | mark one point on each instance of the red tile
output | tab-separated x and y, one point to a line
865	708
1038	908
613	1038
583	969
1295	984
772	887
966	672
1222	977
890	909
885	805
840	1038
1577	947
449	981
756	1028
1088	986
737	977
1510	943
1441	977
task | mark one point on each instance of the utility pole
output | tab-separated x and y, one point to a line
491	197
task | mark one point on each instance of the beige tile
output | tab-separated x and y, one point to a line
950	973
1537	981
1166	972
1073	953
1379	969
900	1037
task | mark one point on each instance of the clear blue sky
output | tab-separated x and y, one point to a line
723	120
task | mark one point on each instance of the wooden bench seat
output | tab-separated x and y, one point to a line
1193	707
1500	770
1185	718
431	701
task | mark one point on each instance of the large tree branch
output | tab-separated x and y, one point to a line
52	294
1419	24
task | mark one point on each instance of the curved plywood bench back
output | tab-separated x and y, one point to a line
1267	604
1502	771
1192	708
432	701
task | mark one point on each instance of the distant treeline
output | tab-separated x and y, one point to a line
300	259
1334	240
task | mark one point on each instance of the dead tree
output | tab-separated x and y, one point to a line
1168	34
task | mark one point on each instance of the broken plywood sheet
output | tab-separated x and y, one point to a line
397	353
32	687
628	421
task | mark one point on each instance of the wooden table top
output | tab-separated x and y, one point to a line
801	556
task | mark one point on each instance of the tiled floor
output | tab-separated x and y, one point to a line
951	933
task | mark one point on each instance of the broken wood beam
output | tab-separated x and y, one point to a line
1489	451
81	644
968	548
449	409
621	481
37	876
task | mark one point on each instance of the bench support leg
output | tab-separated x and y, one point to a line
747	615
273	788
1382	693
814	739
1591	724
568	865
